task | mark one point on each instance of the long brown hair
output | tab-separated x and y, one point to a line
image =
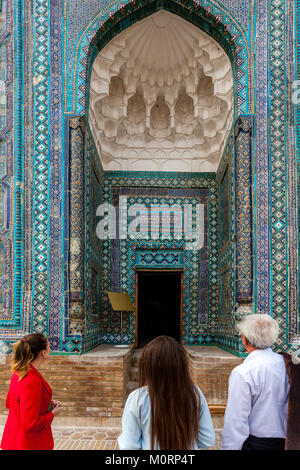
25	351
175	402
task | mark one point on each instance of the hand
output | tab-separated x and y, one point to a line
57	410
56	403
53	404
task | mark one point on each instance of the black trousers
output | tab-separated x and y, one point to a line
263	443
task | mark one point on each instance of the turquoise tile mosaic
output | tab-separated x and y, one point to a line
252	255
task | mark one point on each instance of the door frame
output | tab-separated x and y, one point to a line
157	270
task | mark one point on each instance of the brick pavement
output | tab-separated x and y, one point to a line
94	437
83	437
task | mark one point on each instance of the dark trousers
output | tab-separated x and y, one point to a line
263	443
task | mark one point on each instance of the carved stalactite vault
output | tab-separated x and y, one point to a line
161	98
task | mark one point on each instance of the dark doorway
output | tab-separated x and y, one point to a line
159	305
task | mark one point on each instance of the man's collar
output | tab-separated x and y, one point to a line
258	352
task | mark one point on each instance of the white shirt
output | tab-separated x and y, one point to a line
257	399
136	423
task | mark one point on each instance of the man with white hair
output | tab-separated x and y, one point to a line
256	411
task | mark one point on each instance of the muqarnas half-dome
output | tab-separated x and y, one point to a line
161	98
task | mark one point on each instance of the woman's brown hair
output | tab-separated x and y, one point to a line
26	350
175	402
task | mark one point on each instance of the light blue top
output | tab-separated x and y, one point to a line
136	423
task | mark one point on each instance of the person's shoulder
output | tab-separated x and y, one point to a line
200	393
14	380
31	379
241	370
198	389
138	398
141	392
277	356
256	363
277	361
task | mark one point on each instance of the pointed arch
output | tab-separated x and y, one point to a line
117	16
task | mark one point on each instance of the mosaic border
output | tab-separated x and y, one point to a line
261	165
7	180
41	167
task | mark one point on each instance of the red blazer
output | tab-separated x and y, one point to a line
28	425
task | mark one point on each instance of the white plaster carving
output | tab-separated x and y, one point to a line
161	98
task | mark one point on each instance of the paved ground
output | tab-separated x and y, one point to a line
90	438
83	438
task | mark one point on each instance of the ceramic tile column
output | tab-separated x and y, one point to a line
76	227
243	174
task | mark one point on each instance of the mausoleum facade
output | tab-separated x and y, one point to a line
149	147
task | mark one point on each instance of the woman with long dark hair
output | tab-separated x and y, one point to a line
29	400
167	411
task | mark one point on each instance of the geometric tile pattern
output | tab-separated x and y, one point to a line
56	204
243	207
278	174
64	91
196	329
93	188
79	14
17	318
281	158
225	335
209	10
151	259
199	278
40	153
107	18
225	294
240	10
293	330
76	184
297	126
8	315
262	161
224	207
76	227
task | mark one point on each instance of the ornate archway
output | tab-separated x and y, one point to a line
233	41
209	16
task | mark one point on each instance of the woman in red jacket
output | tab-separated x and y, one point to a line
29	400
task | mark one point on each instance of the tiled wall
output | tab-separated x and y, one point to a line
93	245
199	266
45	60
227	259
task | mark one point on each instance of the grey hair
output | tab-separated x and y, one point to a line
259	329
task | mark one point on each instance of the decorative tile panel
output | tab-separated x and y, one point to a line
243	183
261	161
76	256
199	268
158	259
41	170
